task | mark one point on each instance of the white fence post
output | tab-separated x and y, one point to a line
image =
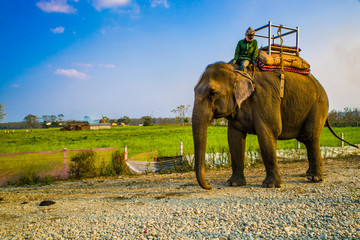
181	149
342	137
125	152
65	168
298	145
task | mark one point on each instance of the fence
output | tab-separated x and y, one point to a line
53	163
151	162
56	163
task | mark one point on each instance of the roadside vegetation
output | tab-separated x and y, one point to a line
163	139
34	168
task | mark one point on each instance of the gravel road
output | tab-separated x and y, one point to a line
173	206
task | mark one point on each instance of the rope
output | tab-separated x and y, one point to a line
281	48
282	76
254	70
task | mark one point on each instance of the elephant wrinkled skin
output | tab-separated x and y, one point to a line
255	107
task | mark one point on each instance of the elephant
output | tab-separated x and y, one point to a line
254	106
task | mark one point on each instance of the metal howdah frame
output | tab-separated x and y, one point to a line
273	37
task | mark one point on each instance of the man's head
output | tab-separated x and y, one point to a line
249	35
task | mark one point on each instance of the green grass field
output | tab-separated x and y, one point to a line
154	140
164	139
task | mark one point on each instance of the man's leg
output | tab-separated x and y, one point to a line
236	65
244	64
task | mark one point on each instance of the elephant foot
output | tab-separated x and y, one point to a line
272	182
314	177
236	181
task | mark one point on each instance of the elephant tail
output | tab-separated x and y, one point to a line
333	132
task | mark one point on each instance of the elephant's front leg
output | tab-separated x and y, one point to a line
236	140
267	143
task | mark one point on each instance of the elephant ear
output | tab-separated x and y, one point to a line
243	88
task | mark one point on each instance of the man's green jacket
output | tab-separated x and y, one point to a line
246	51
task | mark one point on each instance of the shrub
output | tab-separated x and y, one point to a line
47	180
30	178
83	165
106	169
147	121
119	164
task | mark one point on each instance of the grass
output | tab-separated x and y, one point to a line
163	139
42	165
145	142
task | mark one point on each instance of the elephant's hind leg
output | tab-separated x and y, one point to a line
236	141
315	171
311	139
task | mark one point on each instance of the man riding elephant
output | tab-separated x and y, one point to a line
246	51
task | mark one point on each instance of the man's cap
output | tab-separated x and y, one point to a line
250	31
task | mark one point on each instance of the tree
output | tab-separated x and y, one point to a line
181	111
53	118
125	119
45	118
60	117
333	116
347	118
46	121
147	120
31	121
2	112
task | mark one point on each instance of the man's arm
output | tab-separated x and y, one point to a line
237	52
256	52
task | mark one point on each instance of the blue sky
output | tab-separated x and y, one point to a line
144	57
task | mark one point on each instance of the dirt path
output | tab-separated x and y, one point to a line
102	199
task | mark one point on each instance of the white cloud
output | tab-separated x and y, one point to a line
86	65
104	4
155	3
107	65
72	73
57	30
59	6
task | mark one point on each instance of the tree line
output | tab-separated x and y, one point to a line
32	121
48	121
349	117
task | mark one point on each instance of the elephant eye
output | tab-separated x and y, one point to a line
213	94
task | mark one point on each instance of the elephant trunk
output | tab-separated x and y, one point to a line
200	120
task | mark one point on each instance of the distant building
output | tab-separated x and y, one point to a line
73	126
97	126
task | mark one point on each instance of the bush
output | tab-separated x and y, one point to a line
106	169
147	121
30	178
187	167
83	165
47	180
119	164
